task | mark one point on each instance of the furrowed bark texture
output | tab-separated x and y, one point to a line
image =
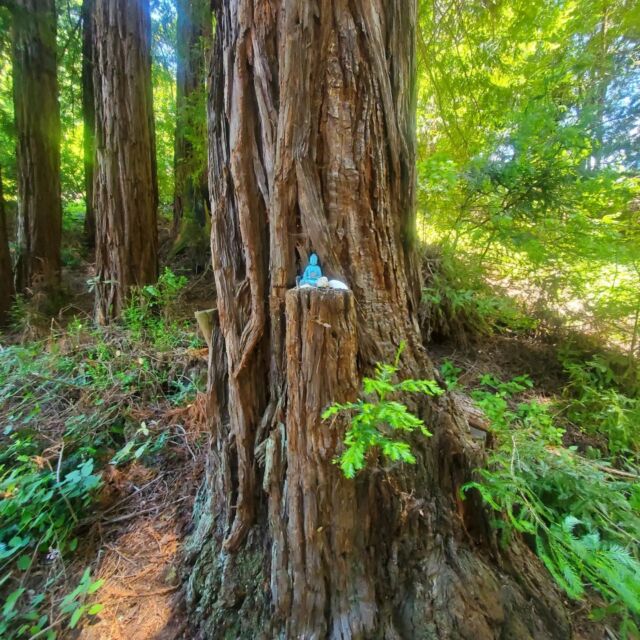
37	118
326	572
311	139
125	187
191	196
89	120
6	272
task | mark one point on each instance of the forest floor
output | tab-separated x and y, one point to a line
137	553
130	535
141	514
140	536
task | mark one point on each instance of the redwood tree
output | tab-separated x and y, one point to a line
89	119
37	117
311	139
125	187
6	274
191	193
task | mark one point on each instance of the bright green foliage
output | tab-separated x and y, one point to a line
39	505
457	301
150	307
377	424
581	518
163	71
528	162
70	90
143	443
450	374
74	603
20	616
7	127
595	400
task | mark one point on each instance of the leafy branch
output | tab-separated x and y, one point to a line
377	423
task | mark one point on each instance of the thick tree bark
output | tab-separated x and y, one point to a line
89	120
37	117
125	186
311	134
6	272
191	197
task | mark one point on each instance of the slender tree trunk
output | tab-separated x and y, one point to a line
37	116
125	185
6	274
89	120
311	139
190	203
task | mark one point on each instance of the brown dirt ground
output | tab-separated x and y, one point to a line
138	539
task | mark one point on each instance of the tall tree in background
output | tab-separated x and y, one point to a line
6	274
89	119
311	138
37	117
190	161
125	188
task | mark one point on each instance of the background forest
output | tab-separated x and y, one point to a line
528	221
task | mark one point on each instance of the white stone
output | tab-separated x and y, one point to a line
337	284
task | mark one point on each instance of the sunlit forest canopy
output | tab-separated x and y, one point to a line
69	38
529	133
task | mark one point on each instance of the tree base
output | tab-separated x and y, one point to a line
392	554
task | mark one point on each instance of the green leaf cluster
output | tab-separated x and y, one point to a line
149	311
596	400
26	622
380	421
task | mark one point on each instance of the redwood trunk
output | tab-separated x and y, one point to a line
89	120
6	273
191	196
125	188
37	117
311	134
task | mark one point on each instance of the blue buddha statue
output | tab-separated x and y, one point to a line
312	272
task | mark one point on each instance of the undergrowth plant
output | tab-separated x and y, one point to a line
581	516
21	617
69	406
148	312
379	420
601	405
458	303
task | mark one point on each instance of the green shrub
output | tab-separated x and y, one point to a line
581	518
148	312
25	614
458	303
595	400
